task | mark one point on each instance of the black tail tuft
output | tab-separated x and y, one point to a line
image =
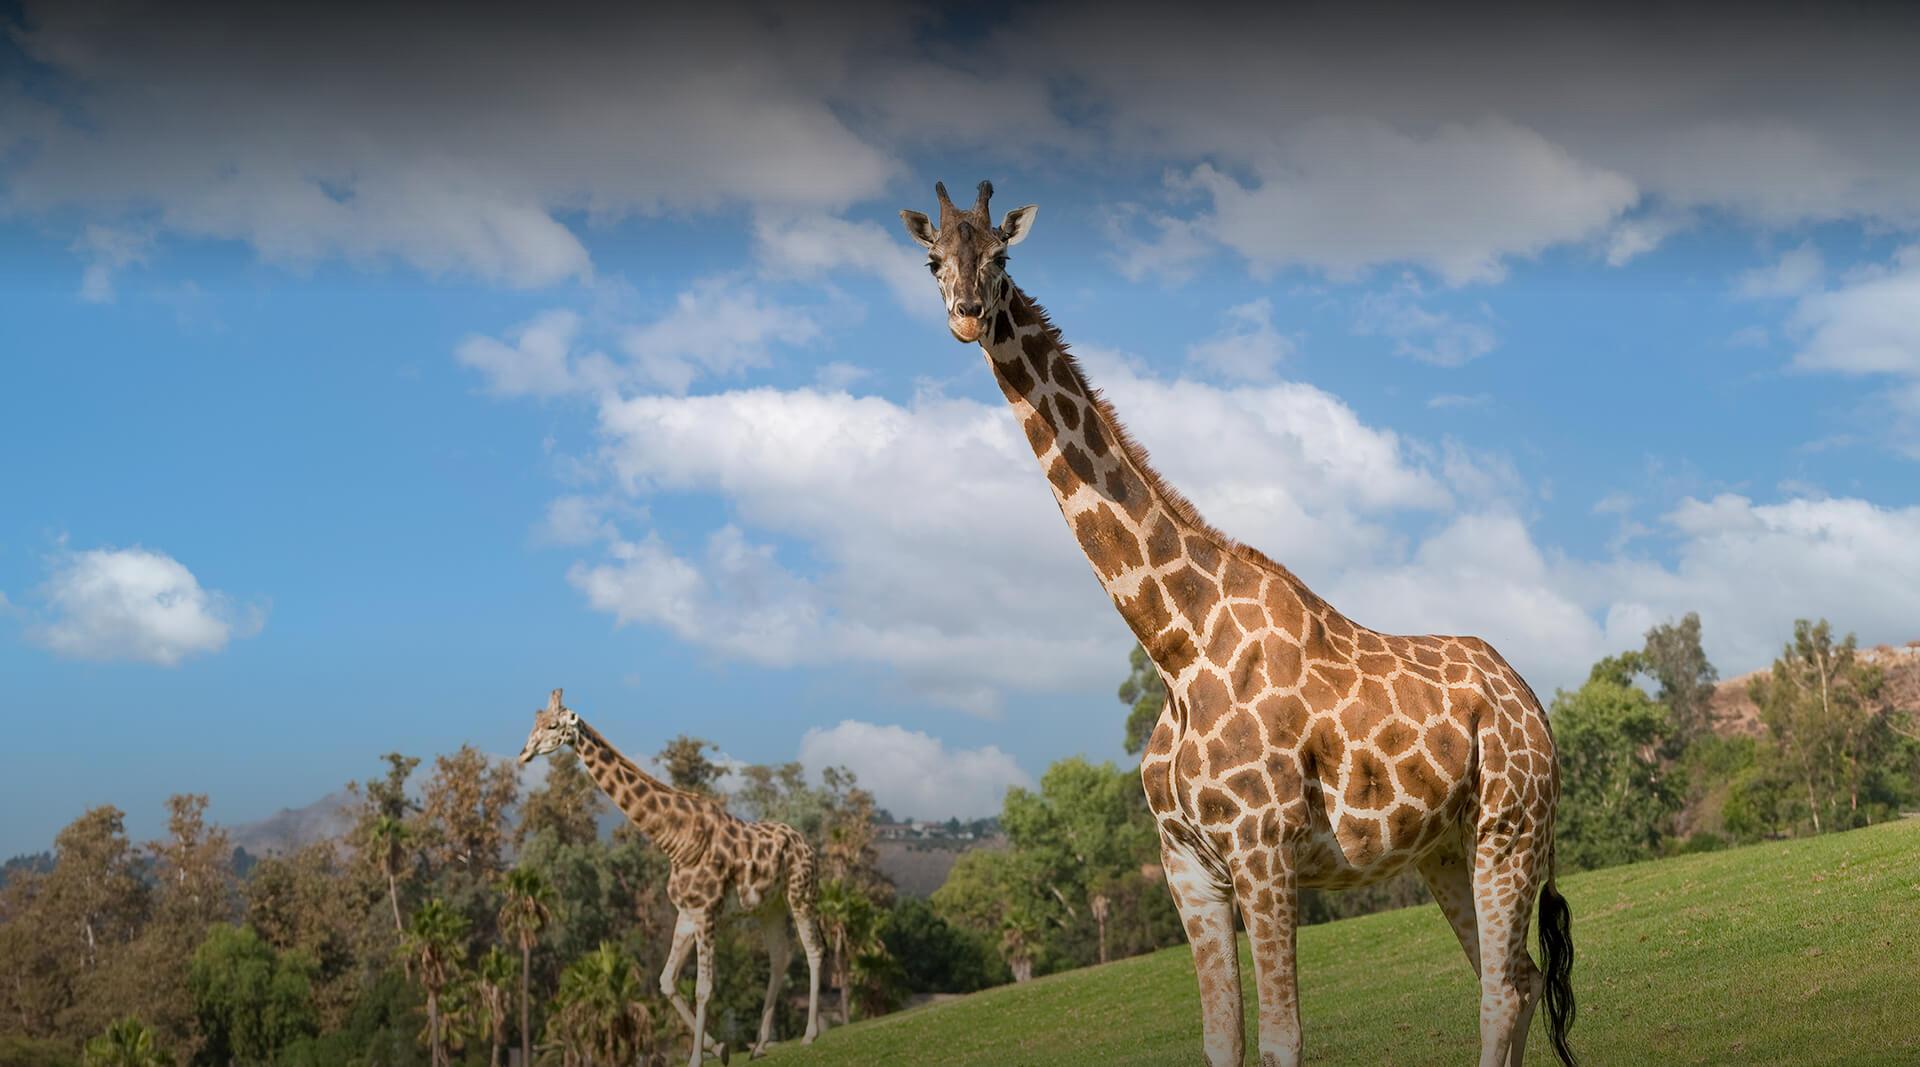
1556	944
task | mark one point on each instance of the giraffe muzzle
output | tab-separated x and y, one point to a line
966	329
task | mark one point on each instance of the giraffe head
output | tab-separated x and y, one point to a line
967	254
553	726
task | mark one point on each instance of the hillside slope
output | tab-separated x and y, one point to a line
1791	952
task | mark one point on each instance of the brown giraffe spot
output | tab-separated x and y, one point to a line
1002	328
1204	553
1361	716
1256	866
1428	656
1014	380
1368	641
1287	612
1251	787
1241	579
1207	698
1283	660
1128	491
1285	717
1146	612
1251	617
1323	744
1070	413
1039	427
1457	673
1339	625
1241	734
1173	650
1159	788
1038	347
1319	695
1214	808
1418	700
1341	678
1163	542
1081	464
1419	780
1447	744
1247	674
1246	833
1376	663
1065	376
1369	781
1108	543
1270	822
1062	476
1222	638
1395	737
1360	839
1403	826
1193	594
1096	438
1023	313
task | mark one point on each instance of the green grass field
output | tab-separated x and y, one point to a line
1804	952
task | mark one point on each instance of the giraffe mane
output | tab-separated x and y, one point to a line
1183	509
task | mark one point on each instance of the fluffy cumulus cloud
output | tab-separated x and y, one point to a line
134	604
913	774
919	536
1420	333
1866	325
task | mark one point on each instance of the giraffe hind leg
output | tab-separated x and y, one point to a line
1510	983
773	927
1449	878
683	939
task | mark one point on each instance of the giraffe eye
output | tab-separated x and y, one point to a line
933	266
1000	261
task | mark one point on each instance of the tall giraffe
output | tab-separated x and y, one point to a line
1297	748
767	865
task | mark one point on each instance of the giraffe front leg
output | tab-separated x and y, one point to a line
1269	905
1206	910
809	930
1449	877
684	929
779	953
703	986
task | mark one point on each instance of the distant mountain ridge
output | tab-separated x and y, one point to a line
1734	711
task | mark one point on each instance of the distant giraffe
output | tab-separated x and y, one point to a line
1297	748
768	866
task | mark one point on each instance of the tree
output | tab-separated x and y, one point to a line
310	903
567	805
1616	805
193	891
381	833
126	1043
494	975
1821	704
688	767
937	956
249	1001
1685	679
1019	932
851	922
387	840
464	807
1145	694
601	1017
435	941
527	907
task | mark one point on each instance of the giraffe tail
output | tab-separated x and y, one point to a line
1556	945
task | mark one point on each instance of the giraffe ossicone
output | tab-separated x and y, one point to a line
768	867
1297	747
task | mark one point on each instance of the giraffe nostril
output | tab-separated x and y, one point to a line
968	309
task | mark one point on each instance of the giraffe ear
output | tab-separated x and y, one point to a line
920	228
1019	221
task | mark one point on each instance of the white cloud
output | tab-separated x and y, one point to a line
135	604
1457	202
108	251
1868	325
808	246
450	145
1417	333
913	774
718	327
537	363
1797	271
1249	349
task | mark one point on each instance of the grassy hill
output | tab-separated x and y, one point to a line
1793	952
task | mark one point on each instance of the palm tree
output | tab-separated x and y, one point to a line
528	907
436	941
600	1016
127	1043
1018	933
387	837
852	925
495	973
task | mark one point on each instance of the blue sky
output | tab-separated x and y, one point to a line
360	382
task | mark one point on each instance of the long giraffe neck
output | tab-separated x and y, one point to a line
1163	566
671	818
